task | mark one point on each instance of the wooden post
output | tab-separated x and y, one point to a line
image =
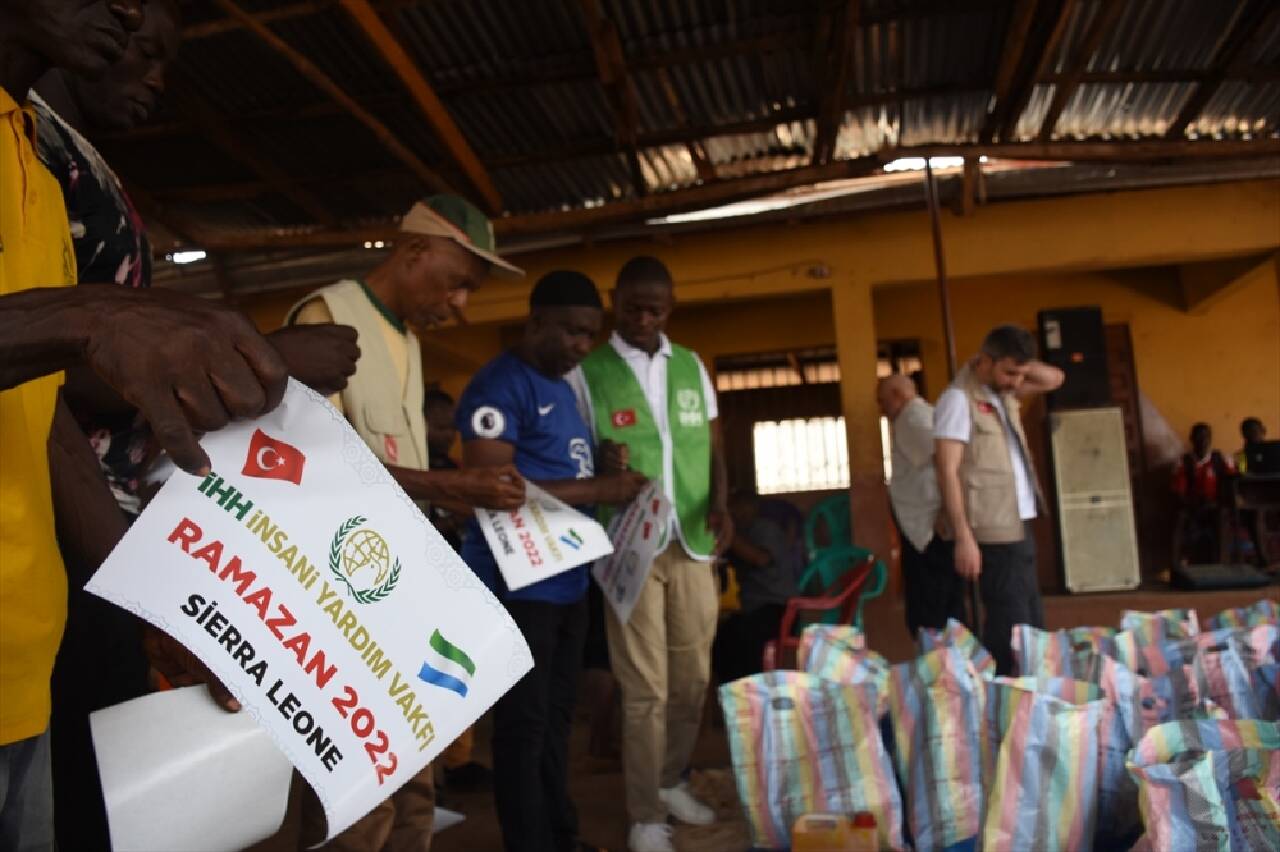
940	262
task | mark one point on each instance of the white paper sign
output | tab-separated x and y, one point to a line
639	534
542	538
180	773
302	575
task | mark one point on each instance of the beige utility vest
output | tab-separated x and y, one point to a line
986	469
387	416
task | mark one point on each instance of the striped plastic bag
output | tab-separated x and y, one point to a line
1265	683
937	706
802	744
1051	653
1131	709
839	653
1178	623
957	635
1222	676
1209	786
1263	612
1044	794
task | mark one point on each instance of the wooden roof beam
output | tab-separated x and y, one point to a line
1256	18
1104	20
1015	45
836	57
1042	61
211	127
611	67
725	191
697	150
429	104
722	191
322	81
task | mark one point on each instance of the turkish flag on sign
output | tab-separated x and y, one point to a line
624	418
272	459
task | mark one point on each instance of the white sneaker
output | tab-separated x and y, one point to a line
650	837
683	806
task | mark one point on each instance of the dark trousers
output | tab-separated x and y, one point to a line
531	726
935	592
1010	591
101	662
738	649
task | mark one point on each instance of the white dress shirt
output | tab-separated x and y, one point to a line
913	489
651	372
953	420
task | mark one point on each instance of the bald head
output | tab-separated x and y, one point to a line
893	393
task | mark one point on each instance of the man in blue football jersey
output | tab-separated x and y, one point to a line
519	409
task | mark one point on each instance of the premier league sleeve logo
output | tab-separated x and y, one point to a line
488	422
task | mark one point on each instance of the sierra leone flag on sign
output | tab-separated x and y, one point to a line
447	666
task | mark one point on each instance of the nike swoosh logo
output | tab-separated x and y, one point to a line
544	410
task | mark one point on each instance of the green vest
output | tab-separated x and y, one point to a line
622	414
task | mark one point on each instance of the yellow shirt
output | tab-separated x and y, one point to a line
35	251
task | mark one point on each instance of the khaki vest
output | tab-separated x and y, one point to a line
388	417
986	469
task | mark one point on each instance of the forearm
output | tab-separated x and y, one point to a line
89	520
42	331
719	471
439	487
1041	378
575	492
953	502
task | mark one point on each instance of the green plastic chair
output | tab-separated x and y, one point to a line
833	514
825	571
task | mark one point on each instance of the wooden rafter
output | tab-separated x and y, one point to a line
1258	17
724	191
181	227
429	104
1015	45
611	67
841	29
697	150
778	26
322	81
1104	19
1044	56
234	145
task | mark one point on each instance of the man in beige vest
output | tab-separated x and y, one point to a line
988	483
445	251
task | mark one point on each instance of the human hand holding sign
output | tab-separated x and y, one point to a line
188	364
322	357
613	456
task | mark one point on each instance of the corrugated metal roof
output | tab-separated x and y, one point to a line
744	79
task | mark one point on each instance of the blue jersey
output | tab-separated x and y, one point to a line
508	400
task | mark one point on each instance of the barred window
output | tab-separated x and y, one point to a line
804	454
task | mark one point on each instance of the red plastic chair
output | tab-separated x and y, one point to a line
842	596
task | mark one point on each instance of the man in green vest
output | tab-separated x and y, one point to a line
641	391
445	251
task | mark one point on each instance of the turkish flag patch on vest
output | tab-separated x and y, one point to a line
269	458
623	419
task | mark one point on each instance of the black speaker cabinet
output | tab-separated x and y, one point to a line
1073	340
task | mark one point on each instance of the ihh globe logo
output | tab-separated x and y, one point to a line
361	560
